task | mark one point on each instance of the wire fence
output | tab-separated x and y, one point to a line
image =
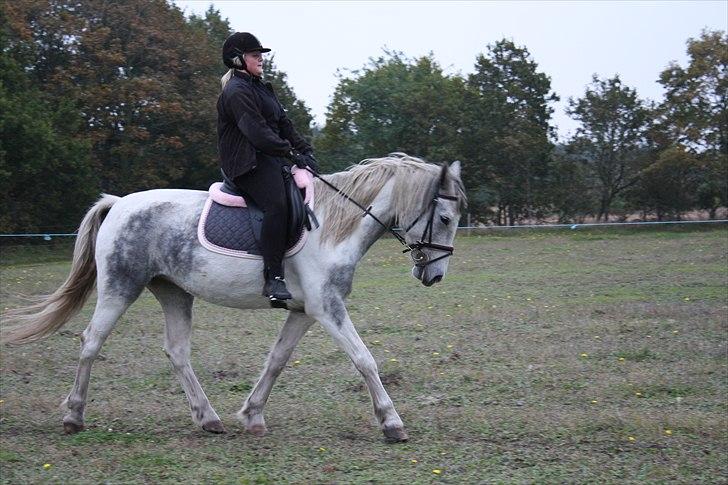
42	247
49	236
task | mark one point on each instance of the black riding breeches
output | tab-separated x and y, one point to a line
265	186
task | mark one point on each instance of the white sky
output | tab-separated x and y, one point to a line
570	40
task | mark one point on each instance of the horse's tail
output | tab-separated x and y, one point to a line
33	322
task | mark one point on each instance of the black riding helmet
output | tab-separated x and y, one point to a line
236	45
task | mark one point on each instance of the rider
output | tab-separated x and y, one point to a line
256	140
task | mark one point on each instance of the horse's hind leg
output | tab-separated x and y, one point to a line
177	306
251	414
107	313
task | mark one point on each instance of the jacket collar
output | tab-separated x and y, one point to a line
246	76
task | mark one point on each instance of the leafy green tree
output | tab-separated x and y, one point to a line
296	109
506	140
694	114
138	73
568	189
393	104
46	181
668	186
215	27
611	140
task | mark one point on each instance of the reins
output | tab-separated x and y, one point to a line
419	257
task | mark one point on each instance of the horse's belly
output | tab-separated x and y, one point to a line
224	280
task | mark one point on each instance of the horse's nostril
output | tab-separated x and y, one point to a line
432	281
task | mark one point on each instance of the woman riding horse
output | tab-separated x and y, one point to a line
256	140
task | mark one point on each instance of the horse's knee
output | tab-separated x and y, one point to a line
366	364
178	357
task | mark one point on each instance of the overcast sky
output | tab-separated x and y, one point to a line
569	40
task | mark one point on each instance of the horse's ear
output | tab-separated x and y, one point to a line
455	169
443	174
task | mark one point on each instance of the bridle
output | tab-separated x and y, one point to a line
419	257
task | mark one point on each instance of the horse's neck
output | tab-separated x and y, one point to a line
369	230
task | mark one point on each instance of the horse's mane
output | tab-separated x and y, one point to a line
415	184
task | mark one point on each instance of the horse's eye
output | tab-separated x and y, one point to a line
445	220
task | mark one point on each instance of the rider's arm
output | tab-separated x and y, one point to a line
289	133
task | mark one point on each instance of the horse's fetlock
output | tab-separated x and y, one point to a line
75	404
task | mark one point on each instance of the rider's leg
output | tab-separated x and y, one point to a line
264	185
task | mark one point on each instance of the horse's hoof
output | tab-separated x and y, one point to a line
395	435
72	428
258	430
214	427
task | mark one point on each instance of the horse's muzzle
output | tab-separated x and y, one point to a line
422	274
432	281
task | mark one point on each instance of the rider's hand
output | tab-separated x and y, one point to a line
311	162
303	160
298	158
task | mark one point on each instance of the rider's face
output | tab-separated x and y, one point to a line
254	63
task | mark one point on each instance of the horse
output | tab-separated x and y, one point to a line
149	240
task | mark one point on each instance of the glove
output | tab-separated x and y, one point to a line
299	159
303	161
312	162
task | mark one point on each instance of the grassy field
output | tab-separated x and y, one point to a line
560	357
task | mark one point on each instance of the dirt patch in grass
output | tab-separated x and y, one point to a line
559	357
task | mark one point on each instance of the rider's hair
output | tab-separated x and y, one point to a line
239	62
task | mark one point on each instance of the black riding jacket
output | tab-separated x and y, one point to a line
250	119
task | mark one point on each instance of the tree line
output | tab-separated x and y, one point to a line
118	97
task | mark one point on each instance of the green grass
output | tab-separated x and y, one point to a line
535	361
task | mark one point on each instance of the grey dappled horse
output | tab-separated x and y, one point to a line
149	239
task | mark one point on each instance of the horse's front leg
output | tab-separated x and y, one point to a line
251	414
335	319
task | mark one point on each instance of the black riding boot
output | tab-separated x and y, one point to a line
275	288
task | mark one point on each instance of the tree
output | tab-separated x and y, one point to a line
611	140
139	74
393	104
45	179
669	185
296	109
694	114
506	139
568	190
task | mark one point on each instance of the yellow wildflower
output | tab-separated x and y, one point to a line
47	466
436	471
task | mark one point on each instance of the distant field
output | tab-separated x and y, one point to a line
542	357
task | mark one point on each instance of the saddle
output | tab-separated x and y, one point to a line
232	225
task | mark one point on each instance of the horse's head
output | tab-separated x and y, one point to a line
433	232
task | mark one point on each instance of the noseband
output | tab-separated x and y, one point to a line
419	257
